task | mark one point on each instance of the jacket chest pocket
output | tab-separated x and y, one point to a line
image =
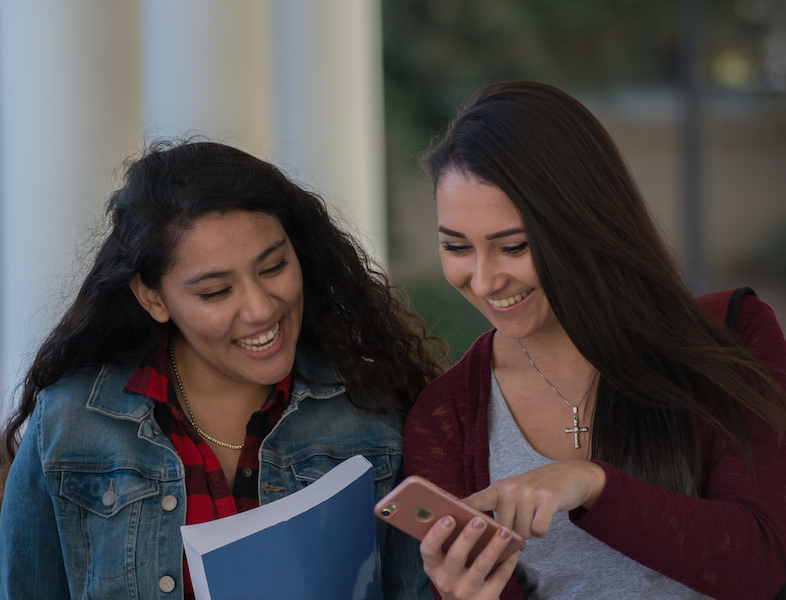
384	467
109	522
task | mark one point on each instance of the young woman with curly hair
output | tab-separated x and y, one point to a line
229	345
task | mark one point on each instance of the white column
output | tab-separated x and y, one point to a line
207	71
297	82
329	109
69	114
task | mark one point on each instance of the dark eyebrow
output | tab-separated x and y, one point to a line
220	274
449	232
492	236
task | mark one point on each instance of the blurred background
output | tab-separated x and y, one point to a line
694	94
345	94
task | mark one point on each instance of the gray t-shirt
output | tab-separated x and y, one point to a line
568	562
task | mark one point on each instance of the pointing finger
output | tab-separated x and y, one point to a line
484	500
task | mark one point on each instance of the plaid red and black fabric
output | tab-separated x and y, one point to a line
209	495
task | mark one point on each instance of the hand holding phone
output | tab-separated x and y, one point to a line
416	504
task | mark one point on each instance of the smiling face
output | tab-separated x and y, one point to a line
485	255
235	292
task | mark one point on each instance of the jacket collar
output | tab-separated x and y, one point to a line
314	377
108	397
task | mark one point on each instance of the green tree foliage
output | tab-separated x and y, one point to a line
437	51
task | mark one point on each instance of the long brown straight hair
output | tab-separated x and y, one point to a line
612	282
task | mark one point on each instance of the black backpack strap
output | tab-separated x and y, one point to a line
734	305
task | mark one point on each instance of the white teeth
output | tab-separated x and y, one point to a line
506	302
263	342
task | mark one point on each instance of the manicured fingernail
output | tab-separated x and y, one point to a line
504	534
447	522
478	523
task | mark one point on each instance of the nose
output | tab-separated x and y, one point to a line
257	304
487	276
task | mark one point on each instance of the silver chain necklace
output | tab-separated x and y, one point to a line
576	429
191	418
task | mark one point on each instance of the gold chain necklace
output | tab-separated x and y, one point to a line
576	429
191	418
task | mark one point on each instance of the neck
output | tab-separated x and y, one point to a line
552	351
557	362
212	393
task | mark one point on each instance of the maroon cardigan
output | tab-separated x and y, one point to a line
729	544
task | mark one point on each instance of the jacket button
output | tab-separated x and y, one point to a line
169	503
108	498
166	584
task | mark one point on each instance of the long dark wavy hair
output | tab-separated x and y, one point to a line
352	315
613	283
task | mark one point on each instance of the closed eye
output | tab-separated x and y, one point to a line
278	267
515	250
454	248
215	295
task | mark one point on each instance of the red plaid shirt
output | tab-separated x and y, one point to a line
209	495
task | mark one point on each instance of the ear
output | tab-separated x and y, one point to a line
149	299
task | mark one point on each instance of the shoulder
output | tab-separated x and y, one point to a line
754	323
313	366
71	390
740	304
716	303
745	313
89	394
86	419
466	372
91	386
461	392
323	398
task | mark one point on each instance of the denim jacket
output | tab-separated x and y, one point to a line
96	495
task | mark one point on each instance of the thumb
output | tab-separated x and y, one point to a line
484	500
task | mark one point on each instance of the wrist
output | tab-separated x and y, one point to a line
596	479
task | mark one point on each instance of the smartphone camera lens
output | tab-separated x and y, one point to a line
389	509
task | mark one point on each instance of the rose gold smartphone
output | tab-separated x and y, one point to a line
416	504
